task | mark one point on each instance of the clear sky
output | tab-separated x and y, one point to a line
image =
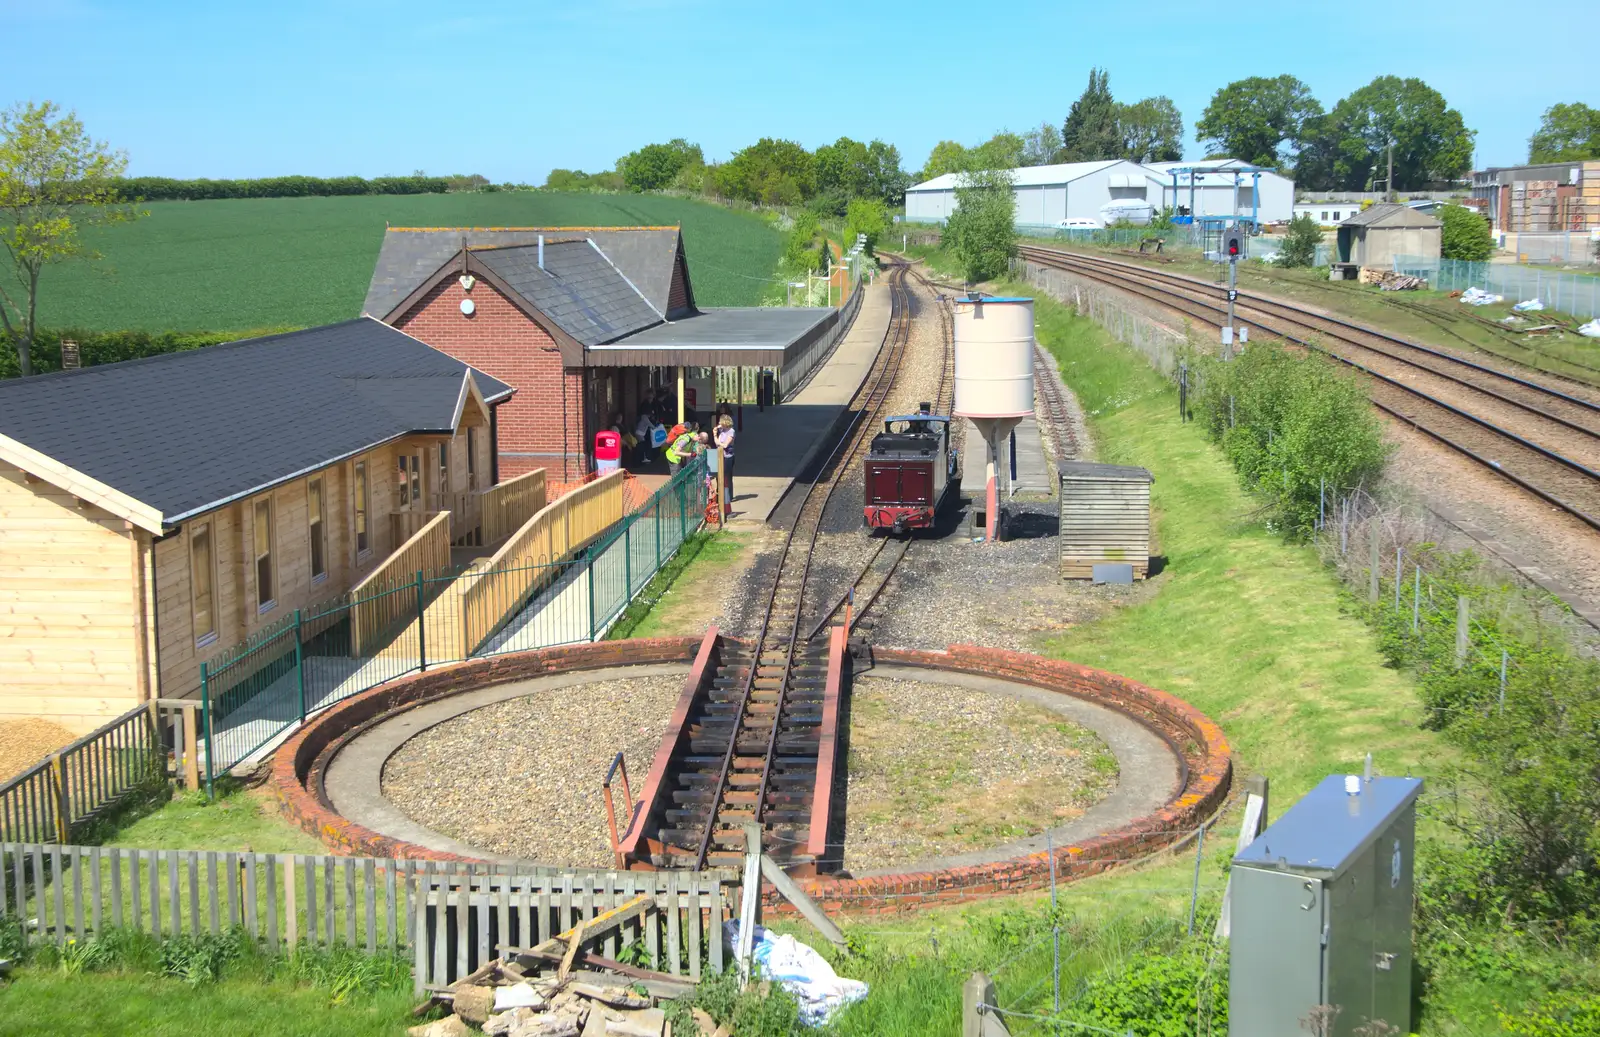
370	87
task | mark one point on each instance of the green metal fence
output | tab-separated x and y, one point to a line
252	693
1574	293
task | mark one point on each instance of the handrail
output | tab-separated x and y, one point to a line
83	777
507	507
374	606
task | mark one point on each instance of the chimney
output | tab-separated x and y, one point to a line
541	252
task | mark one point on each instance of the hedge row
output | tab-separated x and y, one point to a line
109	347
161	188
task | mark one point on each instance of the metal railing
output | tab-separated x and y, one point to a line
1577	294
795	373
49	800
588	572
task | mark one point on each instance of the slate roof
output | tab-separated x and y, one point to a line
409	256
186	432
1390	214
578	288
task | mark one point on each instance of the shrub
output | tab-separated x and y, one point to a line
1465	234
1568	1013
161	188
203	958
981	232
1300	243
1160	994
865	216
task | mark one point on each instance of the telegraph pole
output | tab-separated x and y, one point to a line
1389	183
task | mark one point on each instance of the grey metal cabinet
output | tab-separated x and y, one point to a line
1321	908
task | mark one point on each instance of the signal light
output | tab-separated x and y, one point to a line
1233	243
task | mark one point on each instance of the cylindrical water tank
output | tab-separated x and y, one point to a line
994	357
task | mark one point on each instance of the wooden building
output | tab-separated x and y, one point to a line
1376	236
156	511
1105	518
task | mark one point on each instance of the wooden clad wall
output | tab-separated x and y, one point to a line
1104	520
69	617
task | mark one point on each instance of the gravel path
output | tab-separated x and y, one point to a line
522	777
936	770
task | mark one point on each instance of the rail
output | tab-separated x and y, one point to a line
374	612
506	508
74	784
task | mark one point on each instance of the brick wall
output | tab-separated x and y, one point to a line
499	340
678	294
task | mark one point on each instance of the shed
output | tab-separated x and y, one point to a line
1379	234
1105	518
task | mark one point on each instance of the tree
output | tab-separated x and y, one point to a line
865	216
885	179
769	172
1091	131
55	182
1347	148
981	232
1002	151
843	168
655	166
1465	234
1567	133
1041	147
1255	120
947	156
1300	243
1151	129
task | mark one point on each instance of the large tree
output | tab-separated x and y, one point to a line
770	172
655	166
1567	133
1042	146
843	168
1347	149
1152	129
1092	130
55	182
948	156
1002	151
886	181
981	233
1257	120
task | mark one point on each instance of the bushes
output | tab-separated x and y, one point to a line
110	347
1465	234
161	188
981	232
865	216
1291	424
1160	994
1300	244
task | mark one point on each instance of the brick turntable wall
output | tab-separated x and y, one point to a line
535	430
298	765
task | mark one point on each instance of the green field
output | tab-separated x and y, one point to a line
294	262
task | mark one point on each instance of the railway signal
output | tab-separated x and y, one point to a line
1233	246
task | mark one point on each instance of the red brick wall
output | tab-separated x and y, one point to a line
499	340
678	294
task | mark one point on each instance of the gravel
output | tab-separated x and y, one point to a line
25	742
522	777
936	770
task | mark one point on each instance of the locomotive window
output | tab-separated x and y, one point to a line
901	426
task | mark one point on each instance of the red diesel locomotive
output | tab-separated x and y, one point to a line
912	472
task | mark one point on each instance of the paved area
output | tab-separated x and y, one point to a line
1034	473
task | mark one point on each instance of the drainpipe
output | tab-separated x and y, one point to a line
541	252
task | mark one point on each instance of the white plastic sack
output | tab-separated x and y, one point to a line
803	972
1591	329
658	435
1478	297
1528	306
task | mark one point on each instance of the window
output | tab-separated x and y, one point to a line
416	479
444	468
472	459
263	545
201	576
1324	216
361	508
405	483
319	538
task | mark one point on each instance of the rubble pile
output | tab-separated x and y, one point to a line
1391	280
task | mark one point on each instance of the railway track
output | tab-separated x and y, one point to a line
1498	419
753	736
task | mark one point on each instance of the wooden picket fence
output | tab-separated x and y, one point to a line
450	917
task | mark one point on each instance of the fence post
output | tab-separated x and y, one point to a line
627	563
205	724
422	628
299	664
1504	656
1461	630
190	749
976	992
589	575
1398	576
1416	600
1194	897
58	785
657	510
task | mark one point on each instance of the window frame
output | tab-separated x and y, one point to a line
404	498
444	469
317	528
472	458
363	510
209	637
416	479
264	504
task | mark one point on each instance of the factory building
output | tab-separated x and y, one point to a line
1078	193
1554	196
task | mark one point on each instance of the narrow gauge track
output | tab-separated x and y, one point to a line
754	745
1555	478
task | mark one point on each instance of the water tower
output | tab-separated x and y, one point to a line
994	378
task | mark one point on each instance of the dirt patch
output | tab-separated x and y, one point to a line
936	770
25	742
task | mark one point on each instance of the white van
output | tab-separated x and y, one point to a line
1129	210
1079	223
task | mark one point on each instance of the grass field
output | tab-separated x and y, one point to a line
295	262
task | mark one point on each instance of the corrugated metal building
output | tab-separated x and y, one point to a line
1105	518
1047	195
1375	237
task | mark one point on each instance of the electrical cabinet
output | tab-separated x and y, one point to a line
1321	914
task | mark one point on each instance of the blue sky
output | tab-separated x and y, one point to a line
372	87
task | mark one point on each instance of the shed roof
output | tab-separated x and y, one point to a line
724	337
1390	214
578	287
1090	470
411	255
186	432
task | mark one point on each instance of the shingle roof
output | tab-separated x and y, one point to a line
409	256
577	287
185	432
1390	214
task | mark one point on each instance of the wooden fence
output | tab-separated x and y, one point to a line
517	568
449	917
73	785
507	507
376	605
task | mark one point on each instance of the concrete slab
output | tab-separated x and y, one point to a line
1034	472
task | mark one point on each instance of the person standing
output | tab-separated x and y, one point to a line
724	439
641	432
680	450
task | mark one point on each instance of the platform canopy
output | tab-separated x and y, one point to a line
752	336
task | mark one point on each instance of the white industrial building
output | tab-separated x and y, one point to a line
1048	195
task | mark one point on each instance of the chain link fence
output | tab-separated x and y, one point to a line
1574	293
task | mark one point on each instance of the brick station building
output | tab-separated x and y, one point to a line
585	323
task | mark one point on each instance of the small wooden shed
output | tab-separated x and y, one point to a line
1105	518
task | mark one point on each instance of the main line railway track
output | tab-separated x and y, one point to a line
751	745
1538	436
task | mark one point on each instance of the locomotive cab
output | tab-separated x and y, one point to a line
910	472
